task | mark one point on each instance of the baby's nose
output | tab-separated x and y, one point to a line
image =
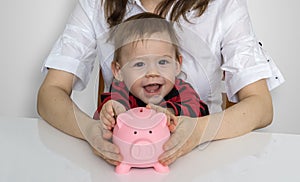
152	71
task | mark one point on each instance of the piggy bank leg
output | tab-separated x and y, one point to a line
122	168
161	168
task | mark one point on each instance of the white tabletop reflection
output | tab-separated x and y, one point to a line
34	151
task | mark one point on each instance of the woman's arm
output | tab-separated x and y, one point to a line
56	107
253	111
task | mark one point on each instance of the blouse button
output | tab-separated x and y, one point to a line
260	44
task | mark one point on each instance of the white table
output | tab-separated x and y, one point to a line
33	151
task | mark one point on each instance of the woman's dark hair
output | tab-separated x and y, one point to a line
115	9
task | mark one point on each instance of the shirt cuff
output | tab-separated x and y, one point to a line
70	65
244	78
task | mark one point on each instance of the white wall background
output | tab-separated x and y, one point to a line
29	28
277	25
28	31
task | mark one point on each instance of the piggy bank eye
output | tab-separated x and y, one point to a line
150	132
135	132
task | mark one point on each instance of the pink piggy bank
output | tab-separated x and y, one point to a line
140	134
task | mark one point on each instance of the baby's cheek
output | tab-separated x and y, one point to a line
170	77
132	81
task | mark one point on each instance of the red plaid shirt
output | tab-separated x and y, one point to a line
182	99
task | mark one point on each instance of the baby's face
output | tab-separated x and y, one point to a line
149	69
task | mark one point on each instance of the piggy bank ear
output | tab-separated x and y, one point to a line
120	123
159	119
164	120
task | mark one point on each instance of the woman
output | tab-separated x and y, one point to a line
216	38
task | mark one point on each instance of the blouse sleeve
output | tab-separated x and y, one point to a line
75	49
244	60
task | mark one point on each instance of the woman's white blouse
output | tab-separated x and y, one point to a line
221	40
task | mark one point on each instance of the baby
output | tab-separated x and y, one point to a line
145	67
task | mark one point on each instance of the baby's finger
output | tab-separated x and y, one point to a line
154	107
107	124
105	121
172	128
168	120
170	124
110	119
174	120
108	107
118	109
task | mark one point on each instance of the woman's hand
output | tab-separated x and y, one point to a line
184	139
235	121
99	132
100	140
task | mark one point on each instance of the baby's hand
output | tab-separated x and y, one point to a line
171	118
109	112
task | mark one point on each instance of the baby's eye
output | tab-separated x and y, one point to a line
163	62
139	64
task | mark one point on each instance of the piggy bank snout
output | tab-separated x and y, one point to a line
142	150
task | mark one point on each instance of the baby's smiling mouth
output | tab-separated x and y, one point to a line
152	88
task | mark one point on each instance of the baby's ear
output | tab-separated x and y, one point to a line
116	70
178	65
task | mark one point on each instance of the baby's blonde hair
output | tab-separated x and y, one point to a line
140	27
